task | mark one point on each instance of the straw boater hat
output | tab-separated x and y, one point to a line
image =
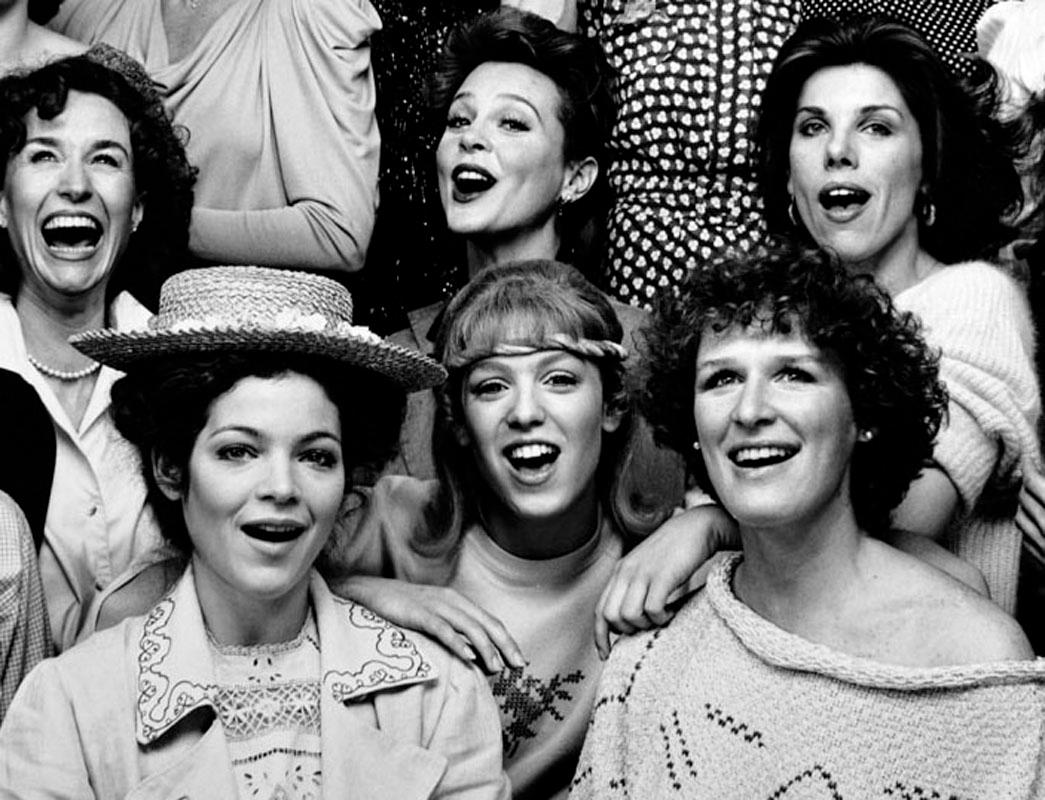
253	309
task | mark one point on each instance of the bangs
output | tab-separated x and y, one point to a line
522	315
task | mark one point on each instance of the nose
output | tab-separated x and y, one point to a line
278	483
753	406
473	138
840	151
74	182
526	411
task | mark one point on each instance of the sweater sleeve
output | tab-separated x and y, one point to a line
326	137
41	755
979	320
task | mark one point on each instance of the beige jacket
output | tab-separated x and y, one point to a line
128	714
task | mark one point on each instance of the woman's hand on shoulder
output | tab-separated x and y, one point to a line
562	12
445	614
659	571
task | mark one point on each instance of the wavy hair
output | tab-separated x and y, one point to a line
163	177
162	406
967	152
524	302
890	374
574	63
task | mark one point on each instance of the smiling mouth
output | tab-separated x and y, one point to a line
470	181
848	200
273	532
71	234
532	459
762	456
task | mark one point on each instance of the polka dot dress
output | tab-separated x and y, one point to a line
689	77
949	26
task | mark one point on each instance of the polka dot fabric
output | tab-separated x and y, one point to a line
689	77
949	26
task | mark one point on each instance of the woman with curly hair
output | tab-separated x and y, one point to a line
819	656
871	150
253	402
94	205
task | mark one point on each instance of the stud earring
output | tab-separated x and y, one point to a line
865	435
696	445
926	208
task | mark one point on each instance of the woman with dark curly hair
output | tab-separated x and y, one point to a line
870	149
820	655
253	400
94	204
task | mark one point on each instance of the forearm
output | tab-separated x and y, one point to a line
305	235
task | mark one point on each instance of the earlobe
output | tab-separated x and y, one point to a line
612	416
3	210
168	476
137	213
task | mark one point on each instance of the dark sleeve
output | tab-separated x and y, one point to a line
27	469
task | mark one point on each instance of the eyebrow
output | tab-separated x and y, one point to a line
863	110
254	432
101	144
504	96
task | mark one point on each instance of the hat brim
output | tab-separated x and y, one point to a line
125	350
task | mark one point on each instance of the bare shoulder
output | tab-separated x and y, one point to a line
55	44
940	621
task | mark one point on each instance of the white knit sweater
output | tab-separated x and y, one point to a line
979	320
724	705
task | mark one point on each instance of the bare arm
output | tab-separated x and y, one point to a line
562	12
930	504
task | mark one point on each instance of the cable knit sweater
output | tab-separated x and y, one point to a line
979	319
724	705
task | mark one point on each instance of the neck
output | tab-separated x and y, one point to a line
800	576
899	266
544	537
484	252
47	327
240	621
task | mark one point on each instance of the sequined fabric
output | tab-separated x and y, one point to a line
413	260
689	77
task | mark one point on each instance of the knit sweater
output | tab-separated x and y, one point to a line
979	319
723	704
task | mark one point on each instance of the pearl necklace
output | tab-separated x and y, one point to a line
65	375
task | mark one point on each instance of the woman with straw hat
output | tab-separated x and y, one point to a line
253	401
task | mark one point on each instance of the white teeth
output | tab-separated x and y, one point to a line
472	175
759	454
71	222
525	451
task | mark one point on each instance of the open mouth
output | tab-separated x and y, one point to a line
72	234
470	180
761	456
843	198
273	532
531	458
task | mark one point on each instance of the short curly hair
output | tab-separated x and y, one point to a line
161	407
890	374
967	152
574	63
162	174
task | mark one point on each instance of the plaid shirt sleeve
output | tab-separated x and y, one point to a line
25	637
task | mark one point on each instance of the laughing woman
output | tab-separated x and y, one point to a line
95	201
253	401
820	660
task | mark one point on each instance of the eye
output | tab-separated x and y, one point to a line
321	457
488	389
810	126
878	128
796	375
42	156
514	123
107	159
717	379
562	380
235	452
456	120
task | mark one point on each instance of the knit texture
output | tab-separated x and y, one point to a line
723	704
979	320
